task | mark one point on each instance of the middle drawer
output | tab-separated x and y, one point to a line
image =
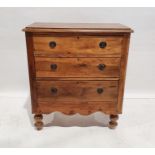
77	67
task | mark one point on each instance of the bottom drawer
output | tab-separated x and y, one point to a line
54	91
82	97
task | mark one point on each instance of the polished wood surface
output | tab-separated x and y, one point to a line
50	27
77	91
78	46
123	66
77	78
77	68
32	71
83	108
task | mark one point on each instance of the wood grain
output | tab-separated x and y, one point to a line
77	91
78	46
84	108
123	66
31	69
77	79
77	27
77	67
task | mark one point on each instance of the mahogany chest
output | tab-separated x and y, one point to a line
77	68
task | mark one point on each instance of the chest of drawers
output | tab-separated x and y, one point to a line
77	68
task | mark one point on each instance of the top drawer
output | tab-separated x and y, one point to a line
77	46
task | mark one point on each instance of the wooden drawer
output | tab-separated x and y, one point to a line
78	91
78	46
77	67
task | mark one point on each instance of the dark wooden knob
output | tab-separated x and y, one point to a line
99	90
54	90
53	66
101	67
102	44
52	44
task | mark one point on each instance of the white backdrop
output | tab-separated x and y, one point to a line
13	60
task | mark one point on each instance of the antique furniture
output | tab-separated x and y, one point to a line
77	68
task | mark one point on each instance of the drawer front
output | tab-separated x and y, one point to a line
77	67
78	46
62	91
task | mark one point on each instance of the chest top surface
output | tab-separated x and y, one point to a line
77	27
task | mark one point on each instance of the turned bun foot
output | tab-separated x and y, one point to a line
113	121
38	121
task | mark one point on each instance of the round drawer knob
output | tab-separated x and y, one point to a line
102	44
52	44
54	90
101	67
99	90
53	66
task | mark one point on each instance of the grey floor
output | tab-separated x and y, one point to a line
136	127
